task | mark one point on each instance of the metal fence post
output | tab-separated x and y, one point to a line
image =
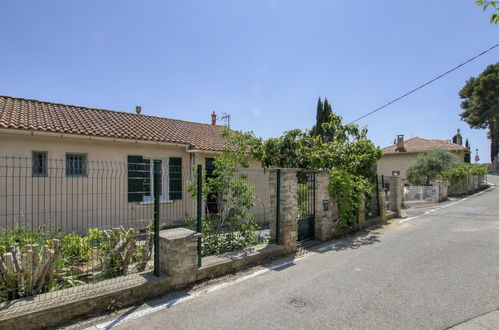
157	184
278	205
199	210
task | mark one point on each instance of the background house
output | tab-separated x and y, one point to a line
397	157
74	167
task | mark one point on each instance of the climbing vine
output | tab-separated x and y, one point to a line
349	190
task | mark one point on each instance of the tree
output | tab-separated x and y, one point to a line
324	111
481	104
467	157
486	3
233	227
429	165
344	150
347	148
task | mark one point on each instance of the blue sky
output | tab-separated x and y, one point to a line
263	61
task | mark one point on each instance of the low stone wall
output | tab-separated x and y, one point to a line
231	262
47	311
467	185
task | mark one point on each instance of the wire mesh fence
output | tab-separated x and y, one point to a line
420	194
69	222
236	211
74	221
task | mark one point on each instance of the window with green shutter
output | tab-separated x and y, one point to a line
136	175
175	178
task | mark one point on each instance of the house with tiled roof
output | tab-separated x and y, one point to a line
397	157
52	146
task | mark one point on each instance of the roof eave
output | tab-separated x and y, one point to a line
21	131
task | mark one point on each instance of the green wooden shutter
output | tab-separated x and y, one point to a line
175	177
135	178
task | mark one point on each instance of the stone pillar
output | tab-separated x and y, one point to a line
288	224
324	219
395	202
402	195
179	255
273	202
382	204
361	213
443	185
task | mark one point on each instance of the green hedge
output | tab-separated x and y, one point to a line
464	170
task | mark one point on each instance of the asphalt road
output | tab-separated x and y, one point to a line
431	272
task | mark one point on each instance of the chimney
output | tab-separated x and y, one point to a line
213	118
138	109
400	143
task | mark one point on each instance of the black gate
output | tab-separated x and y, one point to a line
372	205
306	205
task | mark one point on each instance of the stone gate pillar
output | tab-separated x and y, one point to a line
179	255
395	201
382	204
326	209
286	224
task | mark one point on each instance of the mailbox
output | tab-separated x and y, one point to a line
325	205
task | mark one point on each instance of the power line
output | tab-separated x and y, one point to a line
425	84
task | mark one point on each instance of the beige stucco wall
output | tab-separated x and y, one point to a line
401	161
101	198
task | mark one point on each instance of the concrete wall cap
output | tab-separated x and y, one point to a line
176	234
273	169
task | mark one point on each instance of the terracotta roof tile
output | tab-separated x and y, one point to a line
418	144
19	113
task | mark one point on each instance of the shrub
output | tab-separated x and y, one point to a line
429	165
75	249
464	170
24	235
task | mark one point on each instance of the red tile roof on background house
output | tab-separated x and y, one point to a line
33	115
418	144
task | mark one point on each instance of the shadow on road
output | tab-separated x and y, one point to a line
367	236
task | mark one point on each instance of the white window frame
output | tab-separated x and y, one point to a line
164	194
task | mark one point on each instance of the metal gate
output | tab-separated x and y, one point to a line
306	205
372	205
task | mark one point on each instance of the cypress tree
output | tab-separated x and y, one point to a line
467	157
324	111
317	129
325	118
